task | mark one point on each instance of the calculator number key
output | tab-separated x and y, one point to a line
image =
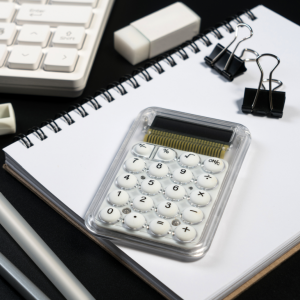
110	215
118	198
126	181
142	203
158	170
199	198
167	209
182	176
192	215
207	181
184	233
150	187
166	154
159	227
175	192
134	165
213	165
134	221
189	160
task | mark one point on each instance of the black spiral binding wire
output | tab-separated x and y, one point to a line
118	85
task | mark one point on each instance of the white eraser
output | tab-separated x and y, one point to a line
157	33
7	119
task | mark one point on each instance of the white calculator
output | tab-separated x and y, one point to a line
166	190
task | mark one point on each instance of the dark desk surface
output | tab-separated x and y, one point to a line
101	274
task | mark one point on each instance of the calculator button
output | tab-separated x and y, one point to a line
175	192
135	165
182	176
207	181
166	154
110	215
134	221
143	149
185	233
158	170
213	165
150	186
126	181
167	209
192	215
142	203
159	227
199	198
189	159
118	197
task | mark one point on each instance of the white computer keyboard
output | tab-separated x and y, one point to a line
47	47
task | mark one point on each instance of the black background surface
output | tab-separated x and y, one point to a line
101	274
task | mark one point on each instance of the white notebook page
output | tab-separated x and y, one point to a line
262	214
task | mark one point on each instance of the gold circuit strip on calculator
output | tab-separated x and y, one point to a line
185	143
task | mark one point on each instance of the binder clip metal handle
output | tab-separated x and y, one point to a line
251	51
266	102
227	63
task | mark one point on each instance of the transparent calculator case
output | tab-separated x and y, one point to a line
169	183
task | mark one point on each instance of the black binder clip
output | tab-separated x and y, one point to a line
265	102
224	61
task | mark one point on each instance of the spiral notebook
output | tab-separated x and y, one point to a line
260	226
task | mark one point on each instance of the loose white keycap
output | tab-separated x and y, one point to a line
159	227
166	154
54	15
135	165
185	233
25	57
142	203
158	170
75	2
200	198
126	181
118	198
189	159
134	221
69	36
6	11
175	192
213	165
207	181
34	34
3	53
192	215
182	176
150	186
167	209
142	149
110	215
7	33
61	60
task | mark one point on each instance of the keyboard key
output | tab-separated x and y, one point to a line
159	227
110	215
134	221
25	57
7	11
189	160
7	33
34	35
158	170
182	176
54	15
32	1
207	181
199	198
76	2
175	192
61	60
192	215
185	233
127	181
135	165
213	165
167	209
6	0
3	53
118	198
142	203
150	187
69	37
